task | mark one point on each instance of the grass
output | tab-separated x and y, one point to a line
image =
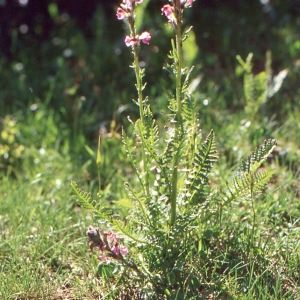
42	242
43	249
44	252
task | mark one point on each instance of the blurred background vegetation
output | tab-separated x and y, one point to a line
66	63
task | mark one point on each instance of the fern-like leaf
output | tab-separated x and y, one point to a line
148	142
261	153
85	201
248	181
246	185
151	128
188	109
260	180
84	198
202	165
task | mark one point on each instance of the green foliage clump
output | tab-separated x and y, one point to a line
172	201
259	88
10	149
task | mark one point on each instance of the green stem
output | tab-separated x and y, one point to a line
253	208
139	87
178	61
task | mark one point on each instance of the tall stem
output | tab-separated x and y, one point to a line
139	87
253	209
178	124
178	62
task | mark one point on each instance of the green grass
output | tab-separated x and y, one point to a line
44	252
43	249
42	233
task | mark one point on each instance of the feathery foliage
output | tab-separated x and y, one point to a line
85	201
258	157
260	87
170	202
248	181
202	164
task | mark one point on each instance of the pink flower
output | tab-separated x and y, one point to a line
113	238
121	13
115	249
125	10
131	41
107	242
168	11
145	37
119	249
127	5
188	3
123	250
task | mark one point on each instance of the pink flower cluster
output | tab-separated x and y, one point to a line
107	243
169	10
186	3
125	11
126	8
145	37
